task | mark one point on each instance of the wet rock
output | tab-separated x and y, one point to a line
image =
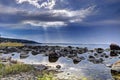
100	60
53	57
58	66
99	50
82	58
81	50
24	55
103	54
12	54
71	55
113	53
115	50
97	61
91	51
115	71
95	54
35	53
115	75
91	57
106	56
114	47
76	60
116	66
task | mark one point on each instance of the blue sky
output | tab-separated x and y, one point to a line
61	21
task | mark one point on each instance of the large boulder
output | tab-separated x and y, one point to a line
115	71
116	66
53	57
114	49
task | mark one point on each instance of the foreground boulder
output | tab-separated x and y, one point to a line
115	71
116	66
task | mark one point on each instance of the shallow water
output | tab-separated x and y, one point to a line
71	71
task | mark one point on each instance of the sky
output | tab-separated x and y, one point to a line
61	21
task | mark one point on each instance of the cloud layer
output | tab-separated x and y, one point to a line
49	4
46	18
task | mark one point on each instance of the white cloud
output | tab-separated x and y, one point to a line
45	24
49	4
75	16
67	17
46	18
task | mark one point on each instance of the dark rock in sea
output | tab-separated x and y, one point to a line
106	56
82	50
23	55
114	47
58	66
76	60
113	53
91	57
35	53
12	54
82	58
102	54
71	55
53	57
91	51
97	61
114	50
95	54
99	50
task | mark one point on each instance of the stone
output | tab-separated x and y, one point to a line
116	66
99	50
58	66
76	60
114	47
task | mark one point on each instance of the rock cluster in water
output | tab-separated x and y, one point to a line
96	56
55	52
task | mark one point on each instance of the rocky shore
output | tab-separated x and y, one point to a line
96	56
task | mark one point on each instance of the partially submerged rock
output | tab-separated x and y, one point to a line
114	50
115	71
99	50
116	66
114	47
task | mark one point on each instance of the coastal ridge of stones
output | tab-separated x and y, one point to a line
96	56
